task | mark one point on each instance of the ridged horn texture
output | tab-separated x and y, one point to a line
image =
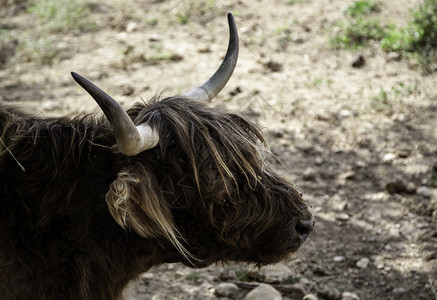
131	139
210	89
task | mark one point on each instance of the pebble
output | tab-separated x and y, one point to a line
411	188
359	62
403	153
363	263
398	291
50	106
394	56
263	292
424	191
319	161
344	113
131	27
273	273
348	175
389	157
226	289
309	175
349	296
310	297
342	217
127	89
330	293
274	66
147	277
397	186
338	258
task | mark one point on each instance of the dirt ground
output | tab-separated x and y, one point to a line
359	143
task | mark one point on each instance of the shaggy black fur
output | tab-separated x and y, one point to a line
82	220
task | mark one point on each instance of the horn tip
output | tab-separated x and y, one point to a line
76	77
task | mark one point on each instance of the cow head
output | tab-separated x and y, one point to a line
199	177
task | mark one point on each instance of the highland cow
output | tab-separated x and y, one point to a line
89	203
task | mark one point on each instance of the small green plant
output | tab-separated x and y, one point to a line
195	277
62	15
291	2
402	89
151	56
152	21
434	179
284	33
380	102
291	280
242	275
419	34
418	39
358	30
362	8
39	49
357	33
186	10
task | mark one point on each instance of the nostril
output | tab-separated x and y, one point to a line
304	227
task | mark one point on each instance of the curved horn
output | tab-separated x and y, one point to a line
131	139
208	90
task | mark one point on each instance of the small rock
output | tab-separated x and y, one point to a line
359	62
309	175
411	188
276	273
154	38
394	56
204	50
127	90
50	106
121	37
344	113
263	292
227	274
338	258
389	157
424	191
348	175
318	161
399	117
349	296
131	27
274	66
147	277
398	291
235	91
297	39
330	293
295	291
403	153
310	297
342	217
363	263
320	270
397	186
226	289
176	57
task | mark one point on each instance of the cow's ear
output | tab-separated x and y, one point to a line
136	201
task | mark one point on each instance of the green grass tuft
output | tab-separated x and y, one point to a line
362	8
357	33
418	39
62	15
40	49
